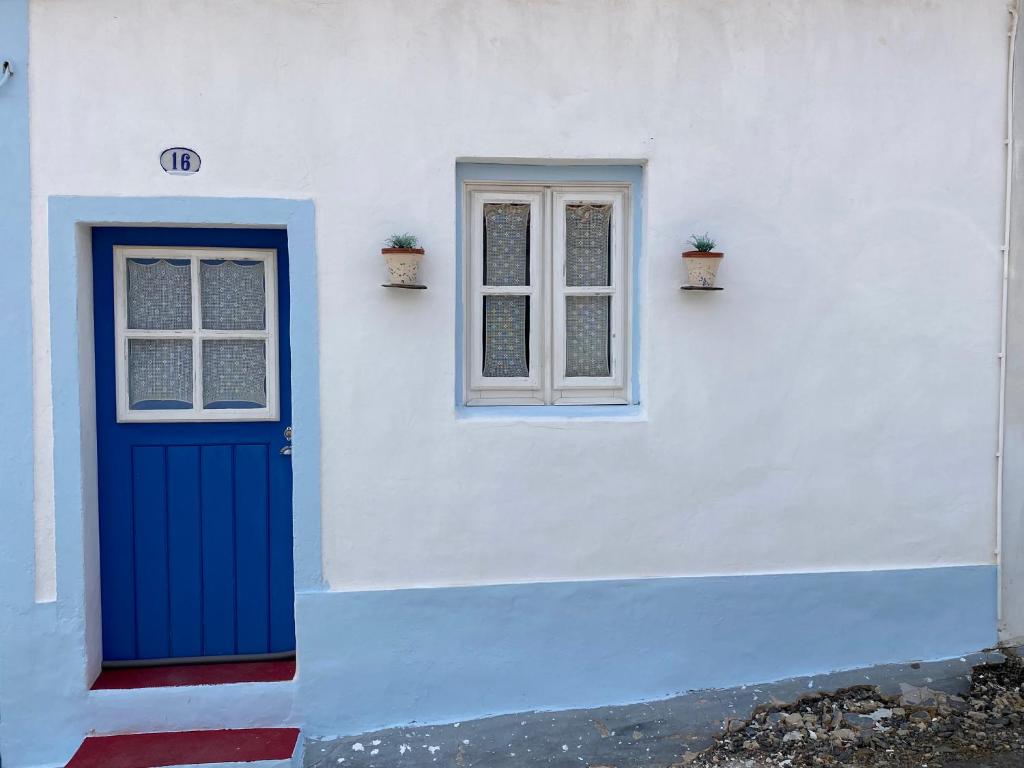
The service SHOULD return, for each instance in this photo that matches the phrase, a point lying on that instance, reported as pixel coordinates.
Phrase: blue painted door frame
(195, 518)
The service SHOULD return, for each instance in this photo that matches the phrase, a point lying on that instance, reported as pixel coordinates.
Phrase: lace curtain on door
(159, 298)
(232, 298)
(159, 370)
(234, 371)
(233, 295)
(159, 295)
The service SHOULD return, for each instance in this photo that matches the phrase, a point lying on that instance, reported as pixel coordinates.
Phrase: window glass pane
(234, 373)
(506, 244)
(506, 336)
(233, 295)
(588, 230)
(159, 373)
(587, 331)
(159, 294)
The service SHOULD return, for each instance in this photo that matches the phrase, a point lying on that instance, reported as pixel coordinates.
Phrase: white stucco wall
(834, 408)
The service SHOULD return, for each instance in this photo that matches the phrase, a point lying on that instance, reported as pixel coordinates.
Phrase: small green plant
(404, 240)
(703, 243)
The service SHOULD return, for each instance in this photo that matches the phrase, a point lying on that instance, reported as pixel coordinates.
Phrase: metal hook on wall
(6, 72)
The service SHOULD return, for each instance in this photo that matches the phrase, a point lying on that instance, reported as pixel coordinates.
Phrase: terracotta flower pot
(701, 267)
(403, 264)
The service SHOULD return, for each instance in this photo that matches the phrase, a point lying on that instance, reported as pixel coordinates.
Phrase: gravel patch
(862, 727)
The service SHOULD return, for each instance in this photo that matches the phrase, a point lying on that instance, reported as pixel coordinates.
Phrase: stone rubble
(859, 726)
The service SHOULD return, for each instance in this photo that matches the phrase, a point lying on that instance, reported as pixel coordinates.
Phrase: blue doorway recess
(195, 506)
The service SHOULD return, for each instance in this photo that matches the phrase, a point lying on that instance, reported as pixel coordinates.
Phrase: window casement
(547, 294)
(195, 334)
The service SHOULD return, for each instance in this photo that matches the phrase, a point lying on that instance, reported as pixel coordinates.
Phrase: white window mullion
(500, 290)
(589, 290)
(549, 280)
(558, 287)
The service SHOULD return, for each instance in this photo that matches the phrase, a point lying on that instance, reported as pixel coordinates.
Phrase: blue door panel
(184, 548)
(218, 484)
(252, 540)
(149, 502)
(117, 563)
(282, 617)
(195, 518)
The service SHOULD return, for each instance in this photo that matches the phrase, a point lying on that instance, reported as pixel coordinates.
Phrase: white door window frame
(547, 384)
(196, 334)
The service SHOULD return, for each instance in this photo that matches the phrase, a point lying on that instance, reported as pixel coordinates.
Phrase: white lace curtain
(232, 298)
(506, 263)
(587, 263)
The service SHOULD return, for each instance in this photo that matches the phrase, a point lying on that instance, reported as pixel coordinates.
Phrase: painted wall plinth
(373, 659)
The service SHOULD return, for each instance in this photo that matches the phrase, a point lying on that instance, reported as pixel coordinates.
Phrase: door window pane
(588, 232)
(234, 373)
(587, 331)
(233, 295)
(159, 293)
(506, 336)
(506, 244)
(159, 373)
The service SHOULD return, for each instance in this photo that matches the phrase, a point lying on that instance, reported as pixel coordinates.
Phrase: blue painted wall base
(369, 660)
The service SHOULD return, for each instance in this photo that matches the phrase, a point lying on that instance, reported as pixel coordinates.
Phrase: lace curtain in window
(234, 371)
(588, 244)
(159, 295)
(587, 335)
(159, 370)
(233, 295)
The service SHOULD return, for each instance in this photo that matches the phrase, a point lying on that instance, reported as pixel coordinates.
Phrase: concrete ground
(1008, 760)
(657, 734)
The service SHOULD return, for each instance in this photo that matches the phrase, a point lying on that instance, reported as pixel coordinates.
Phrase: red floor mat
(195, 674)
(150, 750)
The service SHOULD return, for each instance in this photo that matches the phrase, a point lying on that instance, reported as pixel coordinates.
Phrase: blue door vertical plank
(117, 556)
(184, 532)
(252, 541)
(149, 502)
(217, 499)
(282, 579)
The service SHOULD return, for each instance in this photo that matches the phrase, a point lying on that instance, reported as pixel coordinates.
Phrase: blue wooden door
(192, 405)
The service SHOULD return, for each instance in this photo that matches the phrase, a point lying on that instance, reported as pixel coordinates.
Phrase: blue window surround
(68, 218)
(633, 174)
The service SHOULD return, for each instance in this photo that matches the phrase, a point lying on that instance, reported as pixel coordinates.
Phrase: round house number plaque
(180, 161)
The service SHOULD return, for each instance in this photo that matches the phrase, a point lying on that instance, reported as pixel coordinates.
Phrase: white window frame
(547, 384)
(197, 334)
(512, 389)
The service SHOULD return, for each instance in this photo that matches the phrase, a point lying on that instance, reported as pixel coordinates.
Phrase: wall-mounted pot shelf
(701, 288)
(408, 286)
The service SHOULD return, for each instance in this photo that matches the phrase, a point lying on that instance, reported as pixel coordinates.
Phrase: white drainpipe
(1006, 280)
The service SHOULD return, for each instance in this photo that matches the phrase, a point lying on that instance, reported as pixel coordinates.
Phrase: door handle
(287, 450)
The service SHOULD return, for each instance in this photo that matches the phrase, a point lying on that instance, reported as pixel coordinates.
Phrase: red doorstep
(150, 750)
(195, 674)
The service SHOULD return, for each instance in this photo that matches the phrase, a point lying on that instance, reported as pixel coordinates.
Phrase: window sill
(557, 413)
